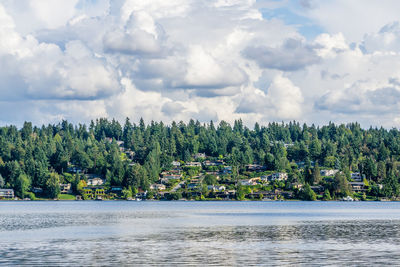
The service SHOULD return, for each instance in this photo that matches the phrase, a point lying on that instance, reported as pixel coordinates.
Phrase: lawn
(66, 197)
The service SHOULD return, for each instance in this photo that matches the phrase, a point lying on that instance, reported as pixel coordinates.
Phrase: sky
(313, 61)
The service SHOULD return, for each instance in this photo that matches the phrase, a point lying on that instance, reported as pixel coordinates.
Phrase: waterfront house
(229, 194)
(116, 190)
(97, 192)
(65, 189)
(358, 187)
(6, 193)
(269, 195)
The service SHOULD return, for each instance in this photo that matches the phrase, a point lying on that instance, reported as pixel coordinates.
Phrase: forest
(41, 157)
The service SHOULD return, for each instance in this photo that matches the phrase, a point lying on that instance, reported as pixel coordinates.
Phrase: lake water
(199, 233)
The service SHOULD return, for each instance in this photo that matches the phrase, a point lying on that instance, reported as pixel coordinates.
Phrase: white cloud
(353, 18)
(178, 59)
(282, 100)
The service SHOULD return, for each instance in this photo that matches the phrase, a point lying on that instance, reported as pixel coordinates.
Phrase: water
(199, 233)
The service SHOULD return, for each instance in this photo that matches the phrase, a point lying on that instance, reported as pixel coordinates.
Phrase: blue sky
(307, 60)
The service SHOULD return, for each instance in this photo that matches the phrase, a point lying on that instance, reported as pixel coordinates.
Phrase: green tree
(307, 193)
(210, 179)
(340, 185)
(316, 175)
(52, 188)
(21, 185)
(327, 195)
(126, 193)
(2, 183)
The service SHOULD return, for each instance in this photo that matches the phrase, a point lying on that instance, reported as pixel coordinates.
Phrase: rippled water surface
(199, 233)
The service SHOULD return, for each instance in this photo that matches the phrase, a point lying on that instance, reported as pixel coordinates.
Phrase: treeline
(40, 157)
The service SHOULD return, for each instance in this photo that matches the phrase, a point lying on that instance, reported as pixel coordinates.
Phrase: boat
(348, 198)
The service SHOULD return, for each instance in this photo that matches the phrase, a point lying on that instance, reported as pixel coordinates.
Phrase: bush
(30, 195)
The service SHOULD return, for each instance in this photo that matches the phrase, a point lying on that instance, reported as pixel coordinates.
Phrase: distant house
(120, 143)
(269, 195)
(216, 188)
(65, 189)
(227, 169)
(200, 155)
(255, 168)
(302, 164)
(74, 169)
(95, 181)
(6, 193)
(358, 187)
(318, 189)
(248, 182)
(170, 176)
(176, 164)
(141, 195)
(229, 194)
(278, 176)
(117, 190)
(97, 192)
(37, 190)
(297, 185)
(356, 176)
(208, 163)
(192, 186)
(130, 154)
(213, 163)
(193, 164)
(158, 187)
(328, 172)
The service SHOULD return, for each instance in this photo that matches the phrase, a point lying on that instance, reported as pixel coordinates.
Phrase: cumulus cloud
(353, 18)
(291, 55)
(281, 100)
(208, 60)
(387, 39)
(44, 71)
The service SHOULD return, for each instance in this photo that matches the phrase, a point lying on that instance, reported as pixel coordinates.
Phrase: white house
(6, 193)
(328, 172)
(158, 187)
(176, 163)
(95, 181)
(278, 176)
(216, 188)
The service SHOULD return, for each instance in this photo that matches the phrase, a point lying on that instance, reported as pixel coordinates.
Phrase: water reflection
(158, 235)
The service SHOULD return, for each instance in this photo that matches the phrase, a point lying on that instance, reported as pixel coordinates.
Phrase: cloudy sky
(311, 61)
